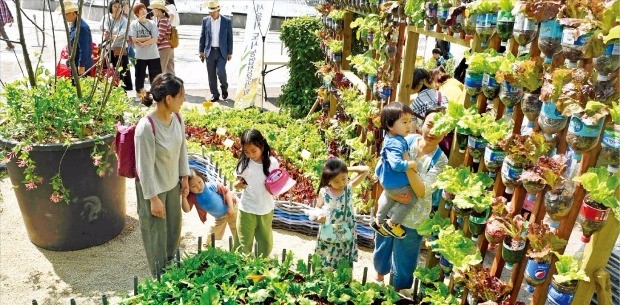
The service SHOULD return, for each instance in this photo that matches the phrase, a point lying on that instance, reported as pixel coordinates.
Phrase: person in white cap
(84, 51)
(216, 46)
(166, 52)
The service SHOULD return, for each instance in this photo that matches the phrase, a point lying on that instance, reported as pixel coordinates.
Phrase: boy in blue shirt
(215, 199)
(392, 167)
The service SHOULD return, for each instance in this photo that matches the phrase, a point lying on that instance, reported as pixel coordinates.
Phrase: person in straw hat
(166, 52)
(84, 51)
(144, 34)
(216, 46)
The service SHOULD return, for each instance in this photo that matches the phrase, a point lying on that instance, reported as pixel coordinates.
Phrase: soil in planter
(531, 105)
(557, 204)
(610, 147)
(512, 251)
(580, 144)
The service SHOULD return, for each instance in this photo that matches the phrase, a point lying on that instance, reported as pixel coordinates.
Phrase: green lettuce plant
(568, 269)
(427, 275)
(335, 45)
(601, 187)
(474, 198)
(337, 15)
(483, 7)
(461, 252)
(364, 63)
(496, 131)
(440, 296)
(475, 123)
(432, 226)
(446, 122)
(524, 150)
(486, 62)
(614, 113)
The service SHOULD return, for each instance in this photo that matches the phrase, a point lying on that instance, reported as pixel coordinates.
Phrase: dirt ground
(30, 273)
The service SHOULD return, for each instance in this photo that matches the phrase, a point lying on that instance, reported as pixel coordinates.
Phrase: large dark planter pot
(512, 255)
(96, 213)
(535, 273)
(562, 294)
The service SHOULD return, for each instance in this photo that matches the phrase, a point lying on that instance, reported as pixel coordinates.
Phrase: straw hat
(70, 7)
(160, 5)
(212, 6)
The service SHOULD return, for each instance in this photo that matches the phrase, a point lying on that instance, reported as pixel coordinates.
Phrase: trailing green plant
(542, 242)
(364, 63)
(432, 226)
(461, 252)
(601, 187)
(414, 9)
(370, 24)
(568, 269)
(304, 47)
(427, 275)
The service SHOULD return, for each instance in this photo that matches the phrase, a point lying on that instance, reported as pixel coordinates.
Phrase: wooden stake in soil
(135, 285)
(199, 244)
(104, 299)
(212, 240)
(230, 243)
(365, 276)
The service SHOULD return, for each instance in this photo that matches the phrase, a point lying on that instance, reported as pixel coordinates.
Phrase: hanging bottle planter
(490, 87)
(558, 203)
(592, 218)
(430, 16)
(469, 26)
(493, 159)
(509, 94)
(477, 223)
(442, 15)
(550, 39)
(610, 148)
(473, 84)
(337, 57)
(461, 140)
(535, 273)
(524, 31)
(476, 147)
(369, 38)
(494, 232)
(531, 106)
(609, 61)
(391, 49)
(512, 251)
(505, 26)
(573, 42)
(485, 27)
(372, 79)
(447, 197)
(562, 294)
(551, 120)
(510, 174)
(458, 24)
(445, 265)
(582, 137)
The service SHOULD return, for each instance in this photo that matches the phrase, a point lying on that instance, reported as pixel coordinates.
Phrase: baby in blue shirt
(215, 199)
(396, 120)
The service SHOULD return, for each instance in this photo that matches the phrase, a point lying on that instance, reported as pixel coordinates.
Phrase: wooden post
(402, 28)
(406, 76)
(347, 38)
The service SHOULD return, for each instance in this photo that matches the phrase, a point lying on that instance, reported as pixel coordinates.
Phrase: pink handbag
(279, 182)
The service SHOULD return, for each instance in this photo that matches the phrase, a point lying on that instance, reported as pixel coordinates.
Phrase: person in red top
(166, 52)
(215, 199)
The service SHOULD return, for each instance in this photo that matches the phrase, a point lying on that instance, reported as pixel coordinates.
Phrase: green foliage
(304, 47)
(602, 187)
(214, 276)
(440, 295)
(335, 45)
(458, 250)
(356, 105)
(543, 242)
(337, 15)
(496, 130)
(446, 122)
(614, 112)
(415, 10)
(483, 7)
(568, 269)
(364, 63)
(525, 150)
(433, 225)
(427, 275)
(370, 24)
(487, 62)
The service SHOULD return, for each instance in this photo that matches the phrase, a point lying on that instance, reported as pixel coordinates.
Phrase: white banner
(257, 22)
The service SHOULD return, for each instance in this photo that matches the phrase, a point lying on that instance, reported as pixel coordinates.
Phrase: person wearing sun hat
(216, 46)
(166, 52)
(84, 51)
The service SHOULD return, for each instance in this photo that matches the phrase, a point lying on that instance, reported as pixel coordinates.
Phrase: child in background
(392, 167)
(256, 207)
(438, 58)
(215, 199)
(336, 202)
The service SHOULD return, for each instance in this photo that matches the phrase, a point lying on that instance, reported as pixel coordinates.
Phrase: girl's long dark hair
(332, 168)
(254, 137)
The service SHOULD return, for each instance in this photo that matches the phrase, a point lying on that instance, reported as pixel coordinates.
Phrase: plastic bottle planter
(369, 38)
(461, 141)
(476, 147)
(505, 26)
(471, 300)
(493, 159)
(445, 265)
(493, 233)
(531, 106)
(573, 45)
(528, 202)
(551, 119)
(443, 12)
(524, 31)
(459, 23)
(512, 252)
(485, 27)
(550, 39)
(582, 137)
(430, 16)
(470, 26)
(533, 187)
(473, 84)
(477, 223)
(461, 213)
(609, 61)
(372, 79)
(535, 273)
(558, 204)
(391, 49)
(490, 87)
(561, 294)
(610, 148)
(510, 174)
(592, 217)
(510, 95)
(337, 57)
(434, 237)
(447, 197)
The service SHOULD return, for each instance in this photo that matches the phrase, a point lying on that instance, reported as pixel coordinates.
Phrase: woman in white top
(175, 20)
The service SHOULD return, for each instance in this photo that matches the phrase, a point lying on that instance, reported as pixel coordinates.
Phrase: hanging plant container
(510, 173)
(490, 87)
(447, 197)
(461, 140)
(493, 158)
(609, 61)
(372, 79)
(533, 187)
(562, 294)
(531, 106)
(493, 233)
(337, 57)
(430, 15)
(477, 223)
(582, 137)
(473, 84)
(445, 265)
(485, 27)
(476, 147)
(369, 38)
(528, 202)
(461, 213)
(509, 94)
(459, 23)
(551, 119)
(592, 217)
(535, 273)
(610, 148)
(573, 45)
(442, 15)
(391, 49)
(524, 31)
(469, 26)
(558, 204)
(550, 39)
(505, 26)
(512, 252)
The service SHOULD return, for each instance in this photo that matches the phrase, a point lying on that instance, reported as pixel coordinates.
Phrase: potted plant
(493, 153)
(600, 200)
(542, 244)
(431, 226)
(494, 230)
(474, 197)
(530, 74)
(521, 151)
(551, 120)
(534, 178)
(585, 126)
(487, 64)
(514, 242)
(428, 277)
(475, 124)
(578, 30)
(440, 296)
(525, 28)
(443, 11)
(510, 93)
(610, 144)
(56, 140)
(482, 286)
(369, 29)
(456, 251)
(451, 181)
(564, 283)
(486, 20)
(550, 36)
(336, 49)
(505, 21)
(558, 200)
(448, 121)
(337, 16)
(480, 214)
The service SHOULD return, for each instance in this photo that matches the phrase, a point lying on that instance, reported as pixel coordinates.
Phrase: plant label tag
(305, 154)
(221, 131)
(228, 143)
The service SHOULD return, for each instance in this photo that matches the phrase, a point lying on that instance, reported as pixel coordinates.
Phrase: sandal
(379, 229)
(396, 230)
